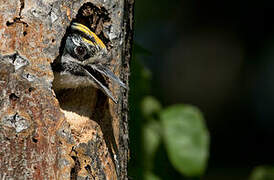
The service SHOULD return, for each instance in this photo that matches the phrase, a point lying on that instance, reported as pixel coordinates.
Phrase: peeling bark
(72, 134)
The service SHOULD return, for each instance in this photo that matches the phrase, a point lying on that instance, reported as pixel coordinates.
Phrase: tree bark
(72, 134)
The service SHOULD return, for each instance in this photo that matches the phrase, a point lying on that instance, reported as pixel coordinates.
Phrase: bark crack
(19, 18)
(76, 168)
(22, 2)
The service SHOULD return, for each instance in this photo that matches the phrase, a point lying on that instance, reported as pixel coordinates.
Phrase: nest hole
(13, 97)
(96, 18)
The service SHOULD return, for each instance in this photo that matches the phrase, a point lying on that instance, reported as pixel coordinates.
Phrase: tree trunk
(72, 134)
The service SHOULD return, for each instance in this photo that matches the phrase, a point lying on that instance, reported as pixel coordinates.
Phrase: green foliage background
(218, 56)
(166, 142)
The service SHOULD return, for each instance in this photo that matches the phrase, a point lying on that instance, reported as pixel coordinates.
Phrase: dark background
(218, 56)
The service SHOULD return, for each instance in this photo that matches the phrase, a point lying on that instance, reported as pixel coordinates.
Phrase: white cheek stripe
(76, 41)
(67, 58)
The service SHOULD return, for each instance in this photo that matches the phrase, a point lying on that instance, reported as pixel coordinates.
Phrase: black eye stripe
(80, 50)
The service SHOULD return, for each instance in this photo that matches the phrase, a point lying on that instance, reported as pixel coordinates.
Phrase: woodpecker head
(83, 62)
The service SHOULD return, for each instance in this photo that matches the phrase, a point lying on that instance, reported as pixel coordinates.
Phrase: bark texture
(72, 134)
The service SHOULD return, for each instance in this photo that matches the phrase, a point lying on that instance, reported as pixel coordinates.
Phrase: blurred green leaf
(186, 139)
(151, 176)
(262, 173)
(150, 106)
(152, 140)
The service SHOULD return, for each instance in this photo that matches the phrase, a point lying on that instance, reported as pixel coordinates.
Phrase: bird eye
(80, 51)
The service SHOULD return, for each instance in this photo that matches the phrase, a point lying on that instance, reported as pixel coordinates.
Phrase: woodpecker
(83, 62)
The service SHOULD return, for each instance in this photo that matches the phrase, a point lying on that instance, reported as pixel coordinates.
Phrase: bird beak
(92, 69)
(102, 87)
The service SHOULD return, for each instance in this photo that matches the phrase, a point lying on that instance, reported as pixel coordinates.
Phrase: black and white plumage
(82, 63)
